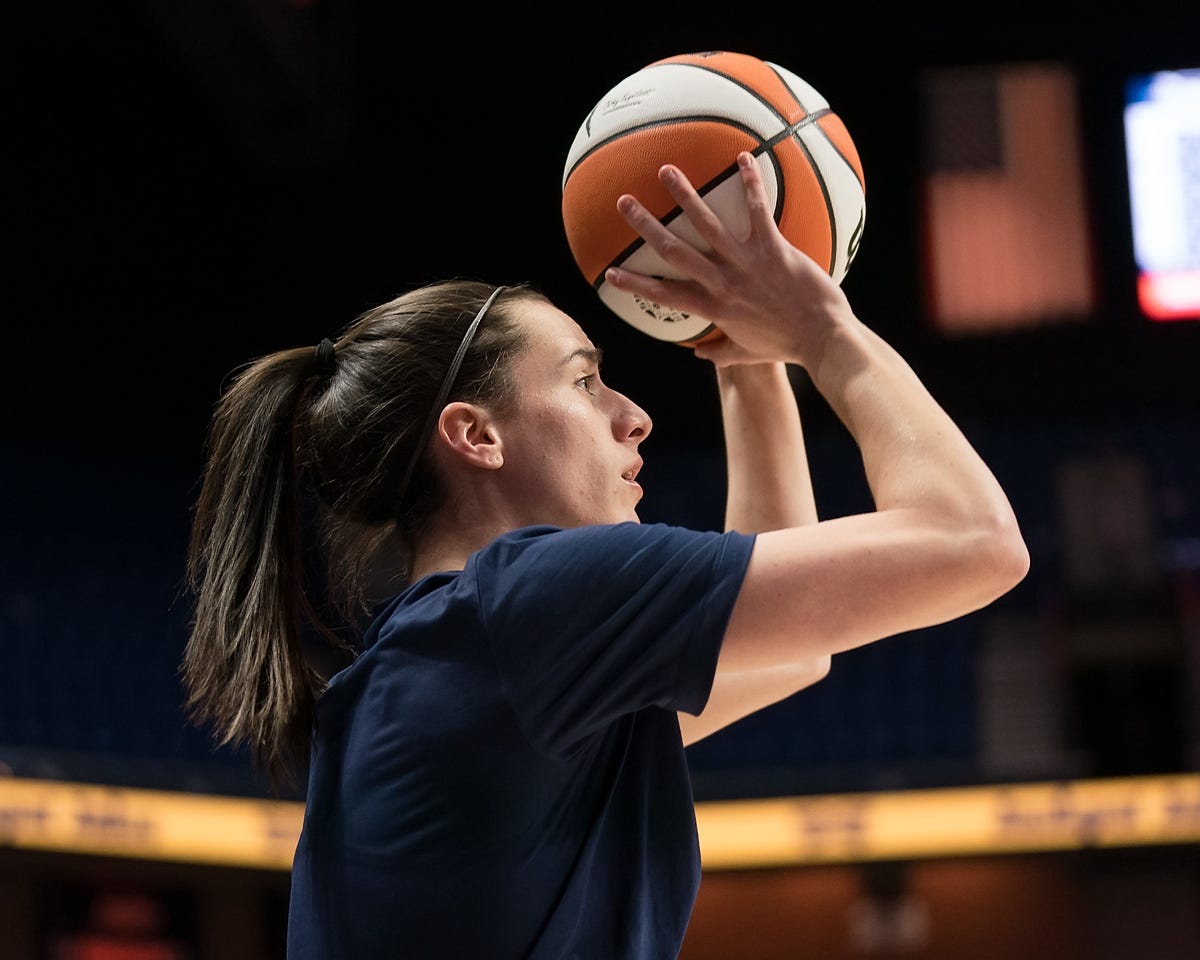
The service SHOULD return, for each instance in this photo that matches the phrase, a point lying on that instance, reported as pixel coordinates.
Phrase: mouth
(630, 475)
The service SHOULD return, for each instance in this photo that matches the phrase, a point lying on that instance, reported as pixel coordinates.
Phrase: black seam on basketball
(788, 86)
(750, 90)
(852, 247)
(666, 122)
(700, 336)
(810, 118)
(674, 212)
(830, 214)
(781, 191)
(845, 159)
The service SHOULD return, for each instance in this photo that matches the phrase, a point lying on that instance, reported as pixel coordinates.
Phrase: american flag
(1007, 236)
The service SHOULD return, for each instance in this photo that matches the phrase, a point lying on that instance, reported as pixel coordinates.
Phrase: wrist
(753, 376)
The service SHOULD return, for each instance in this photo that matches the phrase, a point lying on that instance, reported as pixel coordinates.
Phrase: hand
(771, 300)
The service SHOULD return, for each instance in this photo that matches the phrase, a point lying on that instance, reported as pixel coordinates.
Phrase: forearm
(770, 487)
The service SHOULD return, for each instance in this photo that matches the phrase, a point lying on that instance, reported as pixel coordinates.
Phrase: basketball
(698, 111)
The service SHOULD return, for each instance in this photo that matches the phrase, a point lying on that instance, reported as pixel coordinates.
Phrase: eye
(588, 382)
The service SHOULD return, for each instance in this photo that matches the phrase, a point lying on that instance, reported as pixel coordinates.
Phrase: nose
(631, 421)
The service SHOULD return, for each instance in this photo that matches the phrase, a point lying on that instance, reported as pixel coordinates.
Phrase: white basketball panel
(845, 195)
(671, 92)
(650, 318)
(810, 98)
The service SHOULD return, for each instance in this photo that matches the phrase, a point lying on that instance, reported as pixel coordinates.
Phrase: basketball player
(499, 771)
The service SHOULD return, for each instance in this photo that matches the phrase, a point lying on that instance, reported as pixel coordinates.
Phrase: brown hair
(294, 449)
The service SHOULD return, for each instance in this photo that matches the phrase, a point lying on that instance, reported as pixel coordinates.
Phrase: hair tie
(443, 392)
(325, 358)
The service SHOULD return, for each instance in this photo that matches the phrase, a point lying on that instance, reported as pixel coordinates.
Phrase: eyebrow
(592, 354)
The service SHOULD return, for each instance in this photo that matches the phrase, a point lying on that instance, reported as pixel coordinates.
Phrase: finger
(762, 216)
(702, 216)
(721, 351)
(708, 341)
(725, 352)
(671, 248)
(683, 295)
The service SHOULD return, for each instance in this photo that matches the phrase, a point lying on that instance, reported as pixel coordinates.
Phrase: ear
(470, 436)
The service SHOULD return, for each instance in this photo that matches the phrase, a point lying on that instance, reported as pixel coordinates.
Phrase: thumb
(723, 352)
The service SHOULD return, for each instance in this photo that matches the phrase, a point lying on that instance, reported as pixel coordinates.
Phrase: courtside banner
(844, 828)
(947, 822)
(148, 824)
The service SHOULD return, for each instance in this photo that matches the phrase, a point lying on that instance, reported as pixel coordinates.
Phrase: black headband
(443, 392)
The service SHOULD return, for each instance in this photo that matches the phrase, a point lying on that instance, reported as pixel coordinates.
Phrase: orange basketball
(698, 111)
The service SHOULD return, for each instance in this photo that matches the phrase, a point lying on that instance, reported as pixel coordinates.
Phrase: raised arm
(942, 541)
(765, 457)
(770, 488)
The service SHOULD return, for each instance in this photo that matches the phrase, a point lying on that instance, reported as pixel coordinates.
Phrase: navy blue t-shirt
(500, 774)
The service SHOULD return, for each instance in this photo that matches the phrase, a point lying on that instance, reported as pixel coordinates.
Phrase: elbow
(1005, 555)
(1020, 559)
(811, 670)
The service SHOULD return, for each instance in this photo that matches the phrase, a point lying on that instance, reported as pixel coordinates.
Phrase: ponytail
(243, 668)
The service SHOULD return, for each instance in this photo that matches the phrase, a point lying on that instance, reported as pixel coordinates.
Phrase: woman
(499, 770)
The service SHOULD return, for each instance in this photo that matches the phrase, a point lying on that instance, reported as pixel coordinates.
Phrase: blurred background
(194, 184)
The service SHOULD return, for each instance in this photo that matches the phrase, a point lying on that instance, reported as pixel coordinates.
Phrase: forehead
(554, 337)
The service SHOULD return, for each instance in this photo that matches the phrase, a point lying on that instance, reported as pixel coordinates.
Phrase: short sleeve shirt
(500, 773)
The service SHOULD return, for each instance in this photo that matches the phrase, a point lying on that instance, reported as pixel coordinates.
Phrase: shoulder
(589, 565)
(567, 548)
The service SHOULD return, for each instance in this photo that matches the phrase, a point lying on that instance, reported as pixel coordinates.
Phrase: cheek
(563, 444)
(542, 450)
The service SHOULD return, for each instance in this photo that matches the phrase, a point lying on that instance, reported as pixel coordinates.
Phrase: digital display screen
(1162, 145)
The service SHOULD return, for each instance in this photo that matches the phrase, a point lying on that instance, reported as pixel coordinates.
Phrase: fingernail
(744, 160)
(667, 174)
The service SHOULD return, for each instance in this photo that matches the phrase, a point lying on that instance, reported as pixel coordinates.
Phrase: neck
(447, 543)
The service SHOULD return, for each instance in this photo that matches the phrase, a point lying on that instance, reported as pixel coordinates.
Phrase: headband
(443, 392)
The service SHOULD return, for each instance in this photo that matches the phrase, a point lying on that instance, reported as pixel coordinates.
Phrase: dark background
(197, 183)
(191, 184)
(194, 184)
